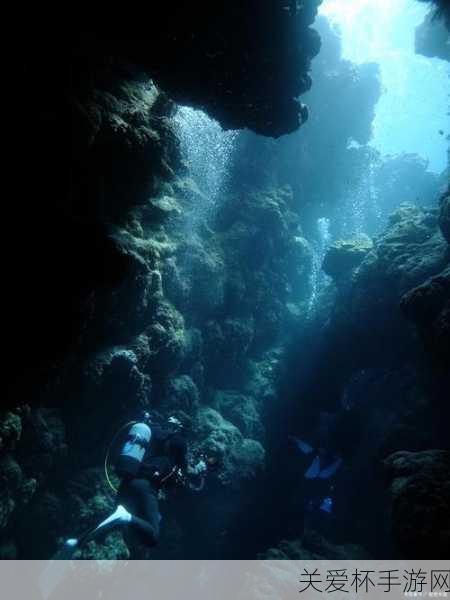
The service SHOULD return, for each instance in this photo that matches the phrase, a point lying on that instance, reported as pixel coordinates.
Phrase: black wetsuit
(139, 494)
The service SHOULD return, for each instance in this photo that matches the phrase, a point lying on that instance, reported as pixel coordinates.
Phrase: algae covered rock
(16, 489)
(412, 248)
(181, 394)
(428, 306)
(203, 275)
(166, 341)
(7, 506)
(420, 491)
(345, 255)
(115, 376)
(112, 547)
(10, 429)
(238, 458)
(313, 546)
(240, 410)
(247, 459)
(226, 347)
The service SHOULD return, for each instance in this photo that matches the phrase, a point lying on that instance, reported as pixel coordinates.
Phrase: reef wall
(366, 360)
(125, 305)
(121, 296)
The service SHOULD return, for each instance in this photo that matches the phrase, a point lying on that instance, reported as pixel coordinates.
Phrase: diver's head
(146, 417)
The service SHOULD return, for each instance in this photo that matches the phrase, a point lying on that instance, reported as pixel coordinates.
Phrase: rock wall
(386, 380)
(151, 307)
(190, 320)
(111, 306)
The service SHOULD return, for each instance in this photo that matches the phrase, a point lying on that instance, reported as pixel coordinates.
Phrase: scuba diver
(322, 464)
(152, 459)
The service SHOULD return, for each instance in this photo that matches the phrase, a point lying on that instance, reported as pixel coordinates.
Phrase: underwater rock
(8, 550)
(238, 458)
(10, 429)
(364, 327)
(240, 410)
(344, 256)
(298, 266)
(166, 341)
(16, 489)
(163, 208)
(114, 377)
(420, 490)
(202, 271)
(428, 306)
(112, 547)
(424, 303)
(45, 432)
(247, 459)
(122, 146)
(11, 473)
(181, 393)
(237, 81)
(34, 443)
(226, 346)
(433, 37)
(444, 217)
(412, 248)
(88, 499)
(44, 516)
(123, 313)
(220, 434)
(127, 144)
(313, 546)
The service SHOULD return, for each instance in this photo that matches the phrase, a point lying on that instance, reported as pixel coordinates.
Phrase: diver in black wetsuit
(152, 459)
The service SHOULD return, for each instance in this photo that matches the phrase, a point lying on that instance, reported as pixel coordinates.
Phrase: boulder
(344, 256)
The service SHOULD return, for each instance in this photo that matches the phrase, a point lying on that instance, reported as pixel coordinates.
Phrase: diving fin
(56, 568)
(301, 445)
(331, 469)
(313, 470)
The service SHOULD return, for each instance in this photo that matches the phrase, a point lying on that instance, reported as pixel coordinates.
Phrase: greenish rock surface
(344, 256)
(239, 458)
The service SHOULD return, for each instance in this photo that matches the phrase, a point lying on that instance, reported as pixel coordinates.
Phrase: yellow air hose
(116, 435)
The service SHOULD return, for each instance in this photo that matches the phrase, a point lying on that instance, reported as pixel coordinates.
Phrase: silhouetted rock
(428, 305)
(444, 217)
(420, 490)
(433, 37)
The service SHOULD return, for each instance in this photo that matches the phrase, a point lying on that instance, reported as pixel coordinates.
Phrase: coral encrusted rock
(344, 256)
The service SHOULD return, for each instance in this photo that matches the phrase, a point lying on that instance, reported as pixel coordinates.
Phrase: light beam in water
(413, 108)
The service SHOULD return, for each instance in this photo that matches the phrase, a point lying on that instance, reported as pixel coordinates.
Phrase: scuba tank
(133, 451)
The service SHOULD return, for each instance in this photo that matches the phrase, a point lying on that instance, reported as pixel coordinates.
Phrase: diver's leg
(119, 517)
(148, 533)
(145, 516)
